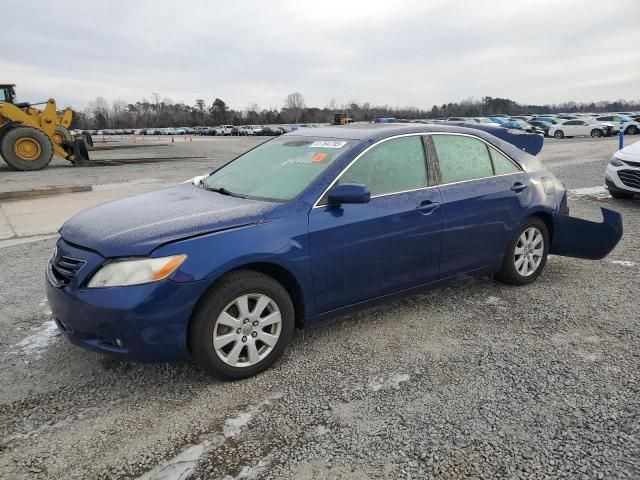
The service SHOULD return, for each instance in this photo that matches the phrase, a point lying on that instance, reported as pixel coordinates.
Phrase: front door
(362, 251)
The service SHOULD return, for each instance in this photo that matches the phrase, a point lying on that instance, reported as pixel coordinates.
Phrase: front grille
(631, 178)
(65, 268)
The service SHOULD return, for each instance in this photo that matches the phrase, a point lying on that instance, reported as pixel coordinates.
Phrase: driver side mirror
(349, 193)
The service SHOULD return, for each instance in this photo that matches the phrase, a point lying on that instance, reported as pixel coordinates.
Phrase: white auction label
(327, 144)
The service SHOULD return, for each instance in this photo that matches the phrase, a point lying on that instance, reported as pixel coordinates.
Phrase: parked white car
(251, 130)
(622, 176)
(630, 126)
(577, 128)
(223, 129)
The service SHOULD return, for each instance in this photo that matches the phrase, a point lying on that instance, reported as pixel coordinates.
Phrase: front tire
(526, 254)
(242, 325)
(559, 134)
(631, 130)
(26, 148)
(595, 133)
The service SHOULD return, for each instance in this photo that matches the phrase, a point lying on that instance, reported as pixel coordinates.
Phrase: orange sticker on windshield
(318, 157)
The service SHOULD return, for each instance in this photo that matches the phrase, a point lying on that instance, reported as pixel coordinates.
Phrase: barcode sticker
(327, 144)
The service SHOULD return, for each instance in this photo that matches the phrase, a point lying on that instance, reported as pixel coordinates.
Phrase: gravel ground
(475, 380)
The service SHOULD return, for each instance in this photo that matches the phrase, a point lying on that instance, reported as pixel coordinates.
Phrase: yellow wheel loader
(29, 136)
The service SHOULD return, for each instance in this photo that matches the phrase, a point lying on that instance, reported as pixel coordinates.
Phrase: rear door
(484, 194)
(362, 251)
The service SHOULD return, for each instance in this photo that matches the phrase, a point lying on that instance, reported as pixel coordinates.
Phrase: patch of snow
(392, 382)
(182, 466)
(37, 343)
(251, 473)
(598, 192)
(491, 300)
(179, 467)
(233, 426)
(624, 263)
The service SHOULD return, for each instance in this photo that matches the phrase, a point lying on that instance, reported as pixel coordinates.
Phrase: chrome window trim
(418, 134)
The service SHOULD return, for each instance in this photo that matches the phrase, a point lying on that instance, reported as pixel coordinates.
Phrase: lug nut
(238, 331)
(255, 323)
(254, 334)
(246, 320)
(244, 339)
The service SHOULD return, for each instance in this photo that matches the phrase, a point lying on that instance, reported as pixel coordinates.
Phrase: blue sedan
(309, 225)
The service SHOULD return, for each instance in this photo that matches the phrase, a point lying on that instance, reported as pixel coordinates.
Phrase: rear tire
(526, 254)
(26, 148)
(631, 130)
(596, 132)
(241, 325)
(559, 134)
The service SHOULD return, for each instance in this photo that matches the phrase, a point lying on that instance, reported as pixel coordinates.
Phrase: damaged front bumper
(578, 238)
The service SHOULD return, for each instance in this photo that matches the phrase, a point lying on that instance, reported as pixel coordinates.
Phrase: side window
(501, 163)
(393, 166)
(462, 158)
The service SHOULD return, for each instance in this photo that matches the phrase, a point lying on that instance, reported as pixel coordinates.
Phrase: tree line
(163, 112)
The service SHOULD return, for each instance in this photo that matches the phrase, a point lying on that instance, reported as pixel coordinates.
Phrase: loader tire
(26, 148)
(61, 134)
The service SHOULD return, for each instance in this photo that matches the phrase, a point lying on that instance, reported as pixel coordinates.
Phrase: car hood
(630, 153)
(137, 225)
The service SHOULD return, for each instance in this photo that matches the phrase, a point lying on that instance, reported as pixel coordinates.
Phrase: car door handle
(427, 206)
(518, 187)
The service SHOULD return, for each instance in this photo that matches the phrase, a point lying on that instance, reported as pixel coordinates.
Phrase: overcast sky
(385, 52)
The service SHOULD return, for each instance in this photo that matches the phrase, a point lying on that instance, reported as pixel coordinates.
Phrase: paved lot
(476, 380)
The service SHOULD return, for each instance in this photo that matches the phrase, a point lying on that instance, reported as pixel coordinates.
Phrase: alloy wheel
(247, 330)
(529, 251)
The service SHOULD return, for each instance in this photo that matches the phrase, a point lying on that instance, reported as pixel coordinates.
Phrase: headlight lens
(616, 162)
(121, 273)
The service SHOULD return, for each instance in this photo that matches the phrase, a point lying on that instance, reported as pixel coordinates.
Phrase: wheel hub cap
(27, 149)
(247, 330)
(529, 251)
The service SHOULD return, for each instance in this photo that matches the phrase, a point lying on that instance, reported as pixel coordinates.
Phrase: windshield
(279, 169)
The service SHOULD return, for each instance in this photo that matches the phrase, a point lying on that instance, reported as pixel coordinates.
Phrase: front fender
(575, 237)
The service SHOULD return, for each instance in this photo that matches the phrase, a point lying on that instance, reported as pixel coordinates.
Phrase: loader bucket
(88, 138)
(578, 238)
(80, 153)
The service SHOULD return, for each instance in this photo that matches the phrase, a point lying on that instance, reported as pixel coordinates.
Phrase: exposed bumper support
(575, 237)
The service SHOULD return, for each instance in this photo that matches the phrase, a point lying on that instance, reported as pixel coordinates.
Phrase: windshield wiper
(224, 191)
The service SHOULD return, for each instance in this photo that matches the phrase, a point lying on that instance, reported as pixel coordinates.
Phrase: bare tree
(294, 104)
(156, 101)
(118, 108)
(200, 106)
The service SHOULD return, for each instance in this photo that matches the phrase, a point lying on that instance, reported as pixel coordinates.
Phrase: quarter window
(501, 163)
(462, 158)
(392, 166)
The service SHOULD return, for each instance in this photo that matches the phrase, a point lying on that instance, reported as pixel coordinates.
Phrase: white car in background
(622, 176)
(223, 129)
(251, 130)
(631, 127)
(577, 128)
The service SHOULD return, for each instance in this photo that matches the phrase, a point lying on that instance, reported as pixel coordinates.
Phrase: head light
(616, 162)
(120, 273)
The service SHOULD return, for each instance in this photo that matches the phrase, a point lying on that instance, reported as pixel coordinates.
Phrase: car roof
(374, 132)
(379, 131)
